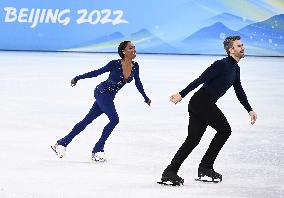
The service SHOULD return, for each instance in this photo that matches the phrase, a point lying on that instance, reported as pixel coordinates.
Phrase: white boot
(99, 157)
(59, 150)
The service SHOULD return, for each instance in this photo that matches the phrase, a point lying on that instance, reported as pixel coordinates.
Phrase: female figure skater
(122, 71)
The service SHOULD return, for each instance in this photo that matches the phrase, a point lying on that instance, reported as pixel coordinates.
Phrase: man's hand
(176, 98)
(73, 82)
(253, 117)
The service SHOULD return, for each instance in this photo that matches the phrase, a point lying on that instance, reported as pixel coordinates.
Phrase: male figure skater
(203, 111)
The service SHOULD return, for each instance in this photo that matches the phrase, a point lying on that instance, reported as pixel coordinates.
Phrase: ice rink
(38, 106)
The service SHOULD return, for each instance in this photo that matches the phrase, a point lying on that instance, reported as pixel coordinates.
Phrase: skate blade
(98, 161)
(169, 183)
(207, 181)
(53, 148)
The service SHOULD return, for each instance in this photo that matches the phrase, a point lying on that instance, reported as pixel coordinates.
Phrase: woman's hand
(149, 102)
(73, 82)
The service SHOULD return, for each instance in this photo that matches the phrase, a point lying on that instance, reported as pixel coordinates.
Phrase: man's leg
(196, 129)
(216, 119)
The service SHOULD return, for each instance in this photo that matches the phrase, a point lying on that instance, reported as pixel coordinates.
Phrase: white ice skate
(59, 150)
(99, 157)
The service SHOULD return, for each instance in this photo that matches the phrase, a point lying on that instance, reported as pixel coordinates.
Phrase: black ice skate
(171, 178)
(208, 175)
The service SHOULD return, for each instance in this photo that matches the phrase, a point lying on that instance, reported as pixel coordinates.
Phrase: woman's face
(130, 51)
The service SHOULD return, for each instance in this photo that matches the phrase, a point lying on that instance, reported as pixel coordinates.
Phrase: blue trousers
(103, 104)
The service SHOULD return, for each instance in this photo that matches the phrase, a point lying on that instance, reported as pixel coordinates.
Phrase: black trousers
(203, 112)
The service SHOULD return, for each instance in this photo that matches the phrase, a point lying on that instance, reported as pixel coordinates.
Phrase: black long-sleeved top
(218, 78)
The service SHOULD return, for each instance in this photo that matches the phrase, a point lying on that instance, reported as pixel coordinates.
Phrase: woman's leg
(108, 107)
(94, 112)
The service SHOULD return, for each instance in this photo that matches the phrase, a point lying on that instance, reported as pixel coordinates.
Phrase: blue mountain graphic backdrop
(179, 27)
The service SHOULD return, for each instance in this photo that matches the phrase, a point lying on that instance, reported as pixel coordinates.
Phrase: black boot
(209, 172)
(172, 177)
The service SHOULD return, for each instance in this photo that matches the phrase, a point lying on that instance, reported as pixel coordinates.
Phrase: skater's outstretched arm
(211, 72)
(94, 73)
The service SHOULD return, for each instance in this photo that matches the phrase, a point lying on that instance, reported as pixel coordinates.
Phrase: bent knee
(226, 131)
(114, 120)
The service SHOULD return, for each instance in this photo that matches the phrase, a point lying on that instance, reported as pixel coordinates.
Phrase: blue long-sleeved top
(218, 78)
(116, 78)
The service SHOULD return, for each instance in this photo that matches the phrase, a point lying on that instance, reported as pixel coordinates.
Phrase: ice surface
(38, 106)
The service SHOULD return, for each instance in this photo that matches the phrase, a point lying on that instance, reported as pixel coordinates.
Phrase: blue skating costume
(105, 93)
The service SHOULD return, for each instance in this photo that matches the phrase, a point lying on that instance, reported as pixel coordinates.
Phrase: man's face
(238, 49)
